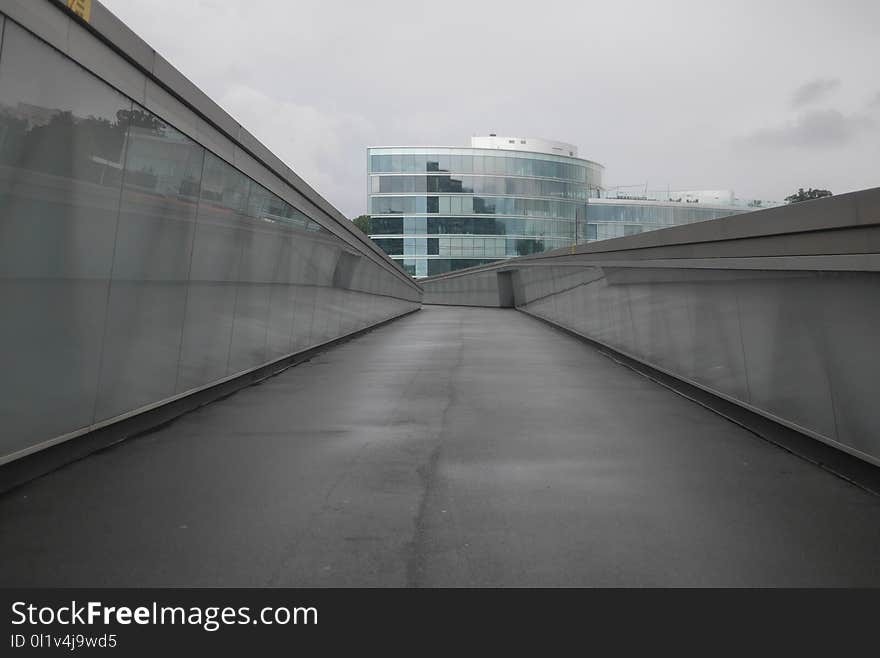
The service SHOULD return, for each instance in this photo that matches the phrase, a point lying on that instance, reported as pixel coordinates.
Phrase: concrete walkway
(457, 446)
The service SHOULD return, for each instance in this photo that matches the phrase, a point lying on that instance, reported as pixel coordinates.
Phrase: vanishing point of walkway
(456, 446)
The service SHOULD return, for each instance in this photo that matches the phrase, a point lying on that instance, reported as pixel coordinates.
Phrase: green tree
(806, 195)
(363, 223)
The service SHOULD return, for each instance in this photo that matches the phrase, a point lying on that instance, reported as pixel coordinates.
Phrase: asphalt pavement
(453, 447)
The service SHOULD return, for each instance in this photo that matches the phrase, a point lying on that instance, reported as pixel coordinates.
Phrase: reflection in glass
(62, 148)
(163, 172)
(134, 264)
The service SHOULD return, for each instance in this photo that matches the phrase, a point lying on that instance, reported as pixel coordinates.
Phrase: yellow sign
(82, 8)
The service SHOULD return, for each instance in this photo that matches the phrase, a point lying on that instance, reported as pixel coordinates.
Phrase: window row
(485, 164)
(468, 247)
(616, 230)
(477, 185)
(650, 214)
(561, 228)
(432, 266)
(475, 205)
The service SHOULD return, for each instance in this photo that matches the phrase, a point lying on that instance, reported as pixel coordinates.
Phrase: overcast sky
(759, 96)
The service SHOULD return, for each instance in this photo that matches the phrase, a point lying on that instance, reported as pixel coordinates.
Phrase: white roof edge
(480, 148)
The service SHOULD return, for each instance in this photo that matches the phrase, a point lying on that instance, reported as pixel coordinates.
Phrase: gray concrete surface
(774, 310)
(457, 446)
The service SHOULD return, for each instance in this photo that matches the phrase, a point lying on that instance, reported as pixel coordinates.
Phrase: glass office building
(438, 209)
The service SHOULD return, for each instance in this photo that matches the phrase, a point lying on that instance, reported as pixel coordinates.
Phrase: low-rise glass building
(615, 218)
(438, 209)
(620, 212)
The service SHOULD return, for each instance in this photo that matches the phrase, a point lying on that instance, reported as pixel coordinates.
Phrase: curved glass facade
(439, 209)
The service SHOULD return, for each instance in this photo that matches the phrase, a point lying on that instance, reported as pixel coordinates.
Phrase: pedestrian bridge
(210, 377)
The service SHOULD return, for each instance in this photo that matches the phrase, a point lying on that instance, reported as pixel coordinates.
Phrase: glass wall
(486, 161)
(136, 265)
(616, 218)
(472, 206)
(492, 185)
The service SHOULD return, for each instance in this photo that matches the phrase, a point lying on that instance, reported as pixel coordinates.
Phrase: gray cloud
(654, 91)
(814, 90)
(814, 129)
(319, 143)
(875, 101)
